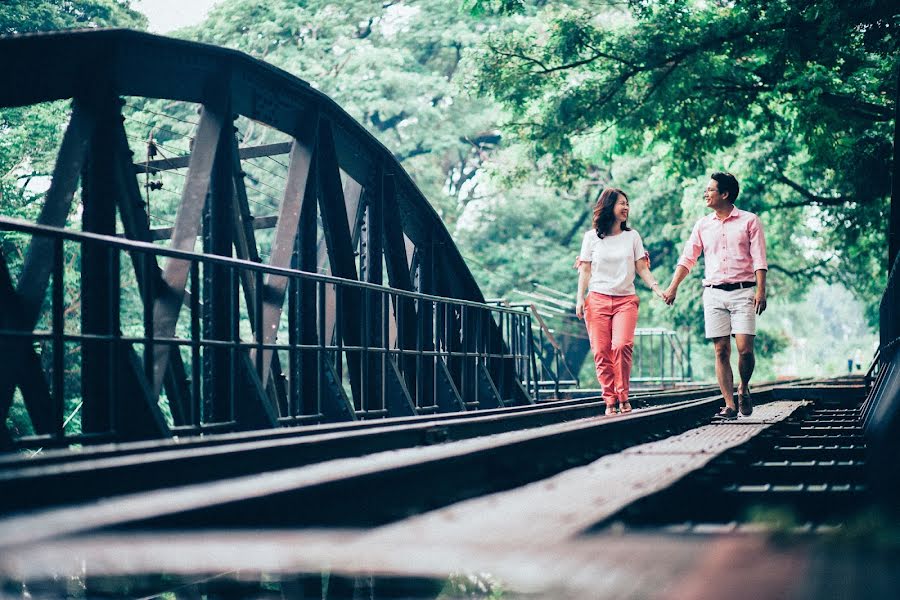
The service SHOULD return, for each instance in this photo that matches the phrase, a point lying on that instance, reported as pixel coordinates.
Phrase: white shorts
(728, 313)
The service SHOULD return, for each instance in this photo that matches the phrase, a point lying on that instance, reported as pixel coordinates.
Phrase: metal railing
(880, 415)
(659, 357)
(551, 360)
(411, 353)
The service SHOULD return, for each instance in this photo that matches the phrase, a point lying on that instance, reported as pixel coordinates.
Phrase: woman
(611, 254)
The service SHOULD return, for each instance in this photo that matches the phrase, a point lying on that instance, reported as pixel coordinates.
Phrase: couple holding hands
(734, 250)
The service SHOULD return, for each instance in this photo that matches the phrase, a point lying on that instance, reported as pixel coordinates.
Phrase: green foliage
(796, 98)
(493, 7)
(29, 139)
(50, 15)
(30, 136)
(392, 66)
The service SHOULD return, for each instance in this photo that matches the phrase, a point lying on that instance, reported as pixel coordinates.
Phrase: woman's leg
(624, 321)
(598, 319)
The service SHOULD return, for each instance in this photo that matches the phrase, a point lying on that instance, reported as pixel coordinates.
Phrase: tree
(393, 66)
(51, 15)
(30, 136)
(795, 97)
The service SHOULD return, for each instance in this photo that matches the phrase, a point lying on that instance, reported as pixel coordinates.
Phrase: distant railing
(550, 356)
(411, 353)
(659, 357)
(880, 414)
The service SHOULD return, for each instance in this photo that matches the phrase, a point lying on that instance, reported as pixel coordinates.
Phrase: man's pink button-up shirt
(733, 248)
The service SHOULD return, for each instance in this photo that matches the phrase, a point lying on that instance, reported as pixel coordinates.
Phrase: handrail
(449, 367)
(9, 224)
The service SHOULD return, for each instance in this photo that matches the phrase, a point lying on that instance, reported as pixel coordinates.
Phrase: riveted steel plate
(560, 507)
(771, 412)
(709, 439)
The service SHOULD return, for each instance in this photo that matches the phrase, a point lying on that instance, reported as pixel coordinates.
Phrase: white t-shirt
(612, 261)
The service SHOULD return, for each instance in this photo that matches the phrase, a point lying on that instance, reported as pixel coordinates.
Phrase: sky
(168, 15)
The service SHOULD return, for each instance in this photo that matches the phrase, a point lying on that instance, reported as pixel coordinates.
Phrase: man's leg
(724, 374)
(746, 362)
(746, 359)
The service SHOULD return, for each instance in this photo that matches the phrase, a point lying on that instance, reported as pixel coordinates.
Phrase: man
(734, 249)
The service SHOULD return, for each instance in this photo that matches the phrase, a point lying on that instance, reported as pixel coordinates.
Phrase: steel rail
(69, 477)
(361, 491)
(569, 409)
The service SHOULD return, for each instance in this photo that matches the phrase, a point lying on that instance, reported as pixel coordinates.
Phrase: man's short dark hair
(727, 183)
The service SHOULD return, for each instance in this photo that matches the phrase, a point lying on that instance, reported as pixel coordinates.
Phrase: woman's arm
(642, 268)
(584, 276)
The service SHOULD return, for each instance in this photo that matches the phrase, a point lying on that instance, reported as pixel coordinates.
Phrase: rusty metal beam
(339, 244)
(99, 295)
(246, 248)
(115, 393)
(307, 369)
(136, 226)
(168, 303)
(299, 169)
(221, 366)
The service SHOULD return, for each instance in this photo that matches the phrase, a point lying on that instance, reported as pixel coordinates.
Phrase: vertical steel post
(98, 216)
(218, 238)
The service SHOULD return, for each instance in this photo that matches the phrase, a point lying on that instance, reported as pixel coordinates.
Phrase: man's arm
(680, 273)
(692, 250)
(759, 301)
(760, 265)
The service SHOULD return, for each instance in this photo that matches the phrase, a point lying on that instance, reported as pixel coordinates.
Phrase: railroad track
(349, 478)
(61, 477)
(366, 477)
(555, 486)
(807, 472)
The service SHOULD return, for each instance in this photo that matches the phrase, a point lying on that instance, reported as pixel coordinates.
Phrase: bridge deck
(551, 537)
(560, 507)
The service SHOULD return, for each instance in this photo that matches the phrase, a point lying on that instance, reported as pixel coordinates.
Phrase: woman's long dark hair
(604, 218)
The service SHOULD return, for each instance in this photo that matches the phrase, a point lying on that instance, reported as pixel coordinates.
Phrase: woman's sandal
(610, 410)
(625, 407)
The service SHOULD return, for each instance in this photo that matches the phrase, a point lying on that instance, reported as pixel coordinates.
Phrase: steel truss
(227, 342)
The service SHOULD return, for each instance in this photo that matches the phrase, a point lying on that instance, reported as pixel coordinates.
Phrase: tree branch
(811, 199)
(419, 149)
(860, 108)
(805, 272)
(389, 123)
(517, 55)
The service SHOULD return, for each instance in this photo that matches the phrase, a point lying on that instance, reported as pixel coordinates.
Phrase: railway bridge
(318, 402)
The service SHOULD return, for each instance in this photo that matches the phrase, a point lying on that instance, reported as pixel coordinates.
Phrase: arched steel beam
(55, 66)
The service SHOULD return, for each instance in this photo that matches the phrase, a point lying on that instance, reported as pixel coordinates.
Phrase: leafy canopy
(796, 98)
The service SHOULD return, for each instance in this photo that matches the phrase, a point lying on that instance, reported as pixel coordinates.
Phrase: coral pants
(610, 322)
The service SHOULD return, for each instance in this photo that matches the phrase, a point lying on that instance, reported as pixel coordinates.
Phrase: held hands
(669, 295)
